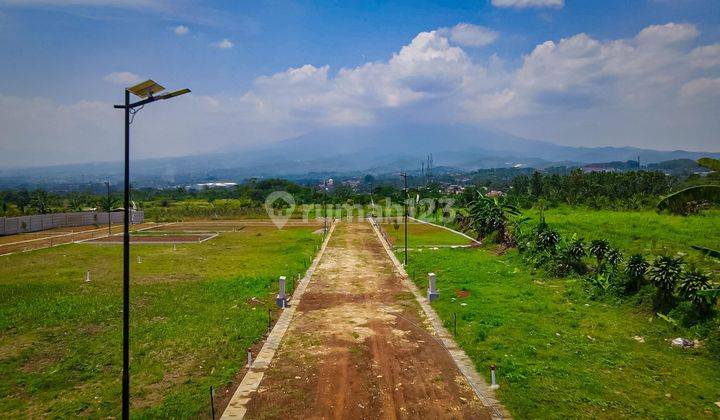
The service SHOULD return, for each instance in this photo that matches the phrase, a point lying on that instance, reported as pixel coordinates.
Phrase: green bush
(692, 287)
(635, 271)
(665, 273)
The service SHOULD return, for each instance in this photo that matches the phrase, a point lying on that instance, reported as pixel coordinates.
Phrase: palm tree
(39, 201)
(108, 203)
(665, 273)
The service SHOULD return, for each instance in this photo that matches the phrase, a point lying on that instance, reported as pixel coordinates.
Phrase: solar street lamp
(146, 91)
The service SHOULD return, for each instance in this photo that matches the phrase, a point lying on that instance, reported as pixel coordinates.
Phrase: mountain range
(355, 150)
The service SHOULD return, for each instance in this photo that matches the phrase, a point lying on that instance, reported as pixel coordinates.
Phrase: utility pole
(405, 190)
(109, 210)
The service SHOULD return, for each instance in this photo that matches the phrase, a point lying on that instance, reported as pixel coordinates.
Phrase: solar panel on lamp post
(146, 91)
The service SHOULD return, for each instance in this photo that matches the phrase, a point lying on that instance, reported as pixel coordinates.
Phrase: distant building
(352, 183)
(205, 185)
(495, 193)
(454, 189)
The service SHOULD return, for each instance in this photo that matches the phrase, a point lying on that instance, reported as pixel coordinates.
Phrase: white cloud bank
(657, 89)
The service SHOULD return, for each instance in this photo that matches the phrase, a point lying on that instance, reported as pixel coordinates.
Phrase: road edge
(462, 361)
(236, 408)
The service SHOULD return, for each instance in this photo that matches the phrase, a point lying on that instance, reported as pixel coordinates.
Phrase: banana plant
(707, 251)
(680, 202)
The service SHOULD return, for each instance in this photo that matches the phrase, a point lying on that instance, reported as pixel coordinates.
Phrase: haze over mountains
(358, 150)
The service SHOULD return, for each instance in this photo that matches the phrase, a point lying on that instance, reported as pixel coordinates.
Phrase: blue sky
(643, 73)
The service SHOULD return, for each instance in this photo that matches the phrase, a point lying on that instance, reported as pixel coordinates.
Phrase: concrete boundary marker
(251, 381)
(462, 361)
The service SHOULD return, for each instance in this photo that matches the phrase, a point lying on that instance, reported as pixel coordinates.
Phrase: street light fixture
(146, 91)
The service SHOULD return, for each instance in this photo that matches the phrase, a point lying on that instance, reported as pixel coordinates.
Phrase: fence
(39, 222)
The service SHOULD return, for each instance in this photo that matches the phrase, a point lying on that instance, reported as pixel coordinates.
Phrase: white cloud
(225, 44)
(648, 90)
(706, 57)
(181, 30)
(124, 78)
(667, 34)
(701, 88)
(522, 4)
(469, 35)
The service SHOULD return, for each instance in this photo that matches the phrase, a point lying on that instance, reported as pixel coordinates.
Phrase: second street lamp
(146, 91)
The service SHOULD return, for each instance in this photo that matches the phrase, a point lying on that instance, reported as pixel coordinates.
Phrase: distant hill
(357, 150)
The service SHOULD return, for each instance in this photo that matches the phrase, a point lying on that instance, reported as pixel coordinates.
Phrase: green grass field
(561, 354)
(193, 318)
(645, 232)
(422, 235)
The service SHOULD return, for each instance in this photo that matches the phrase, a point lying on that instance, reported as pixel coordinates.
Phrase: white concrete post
(432, 290)
(87, 277)
(249, 359)
(493, 382)
(139, 260)
(280, 300)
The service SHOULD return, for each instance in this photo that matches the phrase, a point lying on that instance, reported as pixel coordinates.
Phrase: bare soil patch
(359, 348)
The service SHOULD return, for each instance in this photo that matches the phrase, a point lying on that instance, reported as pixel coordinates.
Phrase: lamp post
(145, 91)
(405, 190)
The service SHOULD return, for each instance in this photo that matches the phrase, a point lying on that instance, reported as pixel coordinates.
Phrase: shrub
(599, 249)
(635, 270)
(614, 258)
(547, 240)
(665, 273)
(693, 288)
(576, 248)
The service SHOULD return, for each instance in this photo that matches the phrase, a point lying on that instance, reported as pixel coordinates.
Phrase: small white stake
(87, 277)
(249, 365)
(494, 384)
(280, 299)
(139, 260)
(432, 292)
(174, 247)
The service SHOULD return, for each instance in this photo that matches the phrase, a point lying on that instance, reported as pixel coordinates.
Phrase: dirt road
(358, 346)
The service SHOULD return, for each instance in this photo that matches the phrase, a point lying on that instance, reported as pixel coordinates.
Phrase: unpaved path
(358, 346)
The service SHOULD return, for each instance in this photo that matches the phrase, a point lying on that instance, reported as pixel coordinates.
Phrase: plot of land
(196, 308)
(561, 354)
(644, 232)
(358, 347)
(171, 238)
(59, 236)
(422, 235)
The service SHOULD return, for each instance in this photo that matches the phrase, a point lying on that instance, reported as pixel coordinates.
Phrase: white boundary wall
(39, 222)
